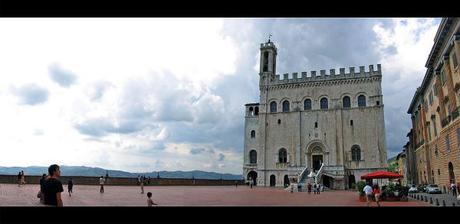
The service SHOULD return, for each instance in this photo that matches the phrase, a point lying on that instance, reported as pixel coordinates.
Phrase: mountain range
(96, 171)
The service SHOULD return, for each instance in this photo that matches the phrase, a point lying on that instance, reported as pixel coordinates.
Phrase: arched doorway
(286, 181)
(317, 160)
(351, 181)
(314, 155)
(252, 176)
(326, 181)
(451, 173)
(272, 180)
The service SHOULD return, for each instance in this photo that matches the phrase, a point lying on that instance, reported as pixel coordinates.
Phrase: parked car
(433, 189)
(413, 189)
(421, 188)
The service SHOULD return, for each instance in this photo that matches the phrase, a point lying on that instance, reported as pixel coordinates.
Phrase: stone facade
(435, 108)
(302, 121)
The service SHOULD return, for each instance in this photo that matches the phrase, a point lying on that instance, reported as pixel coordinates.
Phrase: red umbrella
(381, 175)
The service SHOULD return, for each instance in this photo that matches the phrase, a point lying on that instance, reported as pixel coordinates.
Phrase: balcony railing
(445, 121)
(455, 113)
(281, 165)
(420, 144)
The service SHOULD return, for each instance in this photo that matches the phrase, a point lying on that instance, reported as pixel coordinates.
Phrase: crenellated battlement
(331, 75)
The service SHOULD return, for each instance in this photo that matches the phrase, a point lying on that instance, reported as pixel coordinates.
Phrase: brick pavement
(85, 195)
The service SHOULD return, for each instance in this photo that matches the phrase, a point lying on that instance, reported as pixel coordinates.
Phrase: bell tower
(268, 54)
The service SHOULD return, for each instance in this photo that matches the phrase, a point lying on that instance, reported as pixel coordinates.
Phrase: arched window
(253, 157)
(323, 103)
(273, 107)
(451, 173)
(346, 102)
(251, 110)
(355, 153)
(253, 134)
(307, 104)
(286, 106)
(361, 101)
(256, 111)
(265, 68)
(282, 155)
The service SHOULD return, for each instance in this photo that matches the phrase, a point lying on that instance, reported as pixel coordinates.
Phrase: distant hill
(96, 171)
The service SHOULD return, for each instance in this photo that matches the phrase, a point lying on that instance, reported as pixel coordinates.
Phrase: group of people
(21, 178)
(51, 187)
(372, 193)
(317, 188)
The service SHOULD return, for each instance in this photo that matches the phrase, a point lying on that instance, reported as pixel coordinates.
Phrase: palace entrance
(317, 160)
(252, 176)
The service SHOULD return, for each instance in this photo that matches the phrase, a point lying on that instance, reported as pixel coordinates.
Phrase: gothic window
(286, 106)
(458, 136)
(346, 102)
(253, 156)
(282, 155)
(443, 77)
(447, 143)
(361, 101)
(355, 153)
(430, 98)
(253, 134)
(323, 103)
(273, 107)
(307, 104)
(454, 60)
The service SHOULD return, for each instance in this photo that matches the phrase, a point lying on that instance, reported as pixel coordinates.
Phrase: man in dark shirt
(42, 183)
(53, 187)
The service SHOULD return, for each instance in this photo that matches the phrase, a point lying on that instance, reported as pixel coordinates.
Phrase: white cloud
(145, 93)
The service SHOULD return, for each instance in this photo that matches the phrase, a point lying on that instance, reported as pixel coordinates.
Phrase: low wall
(124, 181)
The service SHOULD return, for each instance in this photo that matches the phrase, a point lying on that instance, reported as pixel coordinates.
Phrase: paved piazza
(85, 195)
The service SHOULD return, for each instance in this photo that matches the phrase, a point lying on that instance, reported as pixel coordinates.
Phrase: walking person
(236, 184)
(315, 188)
(376, 193)
(453, 188)
(148, 182)
(368, 191)
(138, 179)
(19, 179)
(309, 188)
(70, 187)
(320, 188)
(142, 184)
(150, 202)
(101, 183)
(52, 187)
(42, 183)
(23, 178)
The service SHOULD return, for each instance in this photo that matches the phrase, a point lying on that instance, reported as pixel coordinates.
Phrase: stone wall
(124, 181)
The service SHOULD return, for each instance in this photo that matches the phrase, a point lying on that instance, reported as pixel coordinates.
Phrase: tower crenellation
(332, 75)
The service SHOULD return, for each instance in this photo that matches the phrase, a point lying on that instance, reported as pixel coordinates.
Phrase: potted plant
(360, 186)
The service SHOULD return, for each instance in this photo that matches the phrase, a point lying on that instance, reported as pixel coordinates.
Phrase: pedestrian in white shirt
(101, 183)
(368, 191)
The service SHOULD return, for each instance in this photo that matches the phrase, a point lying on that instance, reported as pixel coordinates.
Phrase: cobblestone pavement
(448, 199)
(85, 195)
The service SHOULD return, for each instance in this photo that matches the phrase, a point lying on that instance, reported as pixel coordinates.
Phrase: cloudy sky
(167, 94)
